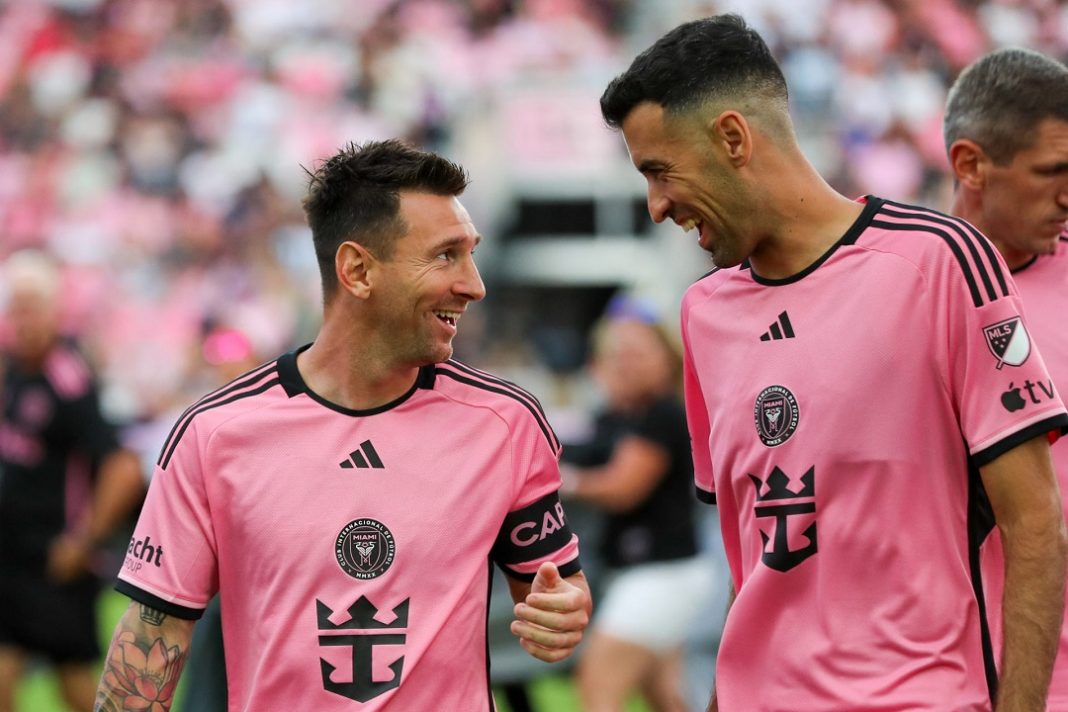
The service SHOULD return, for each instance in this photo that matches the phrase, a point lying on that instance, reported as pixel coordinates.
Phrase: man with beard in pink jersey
(1006, 132)
(346, 500)
(847, 371)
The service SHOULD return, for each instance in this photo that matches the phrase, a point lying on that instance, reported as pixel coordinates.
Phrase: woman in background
(637, 469)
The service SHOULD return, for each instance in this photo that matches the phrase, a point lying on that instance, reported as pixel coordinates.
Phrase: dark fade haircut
(355, 195)
(999, 100)
(705, 59)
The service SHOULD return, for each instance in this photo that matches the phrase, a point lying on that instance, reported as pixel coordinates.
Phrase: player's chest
(784, 356)
(365, 481)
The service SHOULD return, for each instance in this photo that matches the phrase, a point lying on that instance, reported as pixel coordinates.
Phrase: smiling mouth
(449, 317)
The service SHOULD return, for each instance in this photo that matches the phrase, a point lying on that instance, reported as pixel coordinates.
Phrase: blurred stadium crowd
(157, 148)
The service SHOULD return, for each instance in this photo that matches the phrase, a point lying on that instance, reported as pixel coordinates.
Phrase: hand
(68, 557)
(551, 620)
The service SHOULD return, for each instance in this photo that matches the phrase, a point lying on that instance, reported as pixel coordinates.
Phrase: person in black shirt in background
(637, 468)
(66, 485)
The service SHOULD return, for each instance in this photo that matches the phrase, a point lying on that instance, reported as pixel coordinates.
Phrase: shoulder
(477, 388)
(258, 388)
(707, 285)
(938, 244)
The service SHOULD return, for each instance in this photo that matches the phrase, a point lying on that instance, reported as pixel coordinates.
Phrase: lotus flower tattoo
(145, 679)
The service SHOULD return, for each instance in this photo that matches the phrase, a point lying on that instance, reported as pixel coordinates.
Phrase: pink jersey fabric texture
(1043, 286)
(351, 549)
(838, 419)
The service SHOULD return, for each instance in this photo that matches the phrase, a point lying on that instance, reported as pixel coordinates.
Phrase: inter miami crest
(1008, 341)
(365, 548)
(776, 414)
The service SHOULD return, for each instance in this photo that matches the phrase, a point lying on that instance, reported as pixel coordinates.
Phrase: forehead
(435, 217)
(1050, 140)
(649, 135)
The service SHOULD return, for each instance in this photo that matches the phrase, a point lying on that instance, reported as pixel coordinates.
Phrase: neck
(341, 368)
(803, 218)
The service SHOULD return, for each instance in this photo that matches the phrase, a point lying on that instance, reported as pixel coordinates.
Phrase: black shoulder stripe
(963, 226)
(546, 429)
(971, 237)
(521, 392)
(168, 450)
(221, 392)
(977, 298)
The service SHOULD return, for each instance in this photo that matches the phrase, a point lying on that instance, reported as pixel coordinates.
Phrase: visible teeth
(449, 316)
(689, 225)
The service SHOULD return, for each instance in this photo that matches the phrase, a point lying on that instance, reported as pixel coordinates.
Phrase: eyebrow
(451, 242)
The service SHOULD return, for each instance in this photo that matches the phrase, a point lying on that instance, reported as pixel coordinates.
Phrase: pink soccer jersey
(1043, 286)
(838, 419)
(351, 549)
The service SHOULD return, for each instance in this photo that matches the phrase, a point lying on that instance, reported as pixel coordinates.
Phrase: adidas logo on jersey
(362, 457)
(781, 329)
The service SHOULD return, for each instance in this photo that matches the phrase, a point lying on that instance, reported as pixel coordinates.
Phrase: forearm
(145, 659)
(1033, 607)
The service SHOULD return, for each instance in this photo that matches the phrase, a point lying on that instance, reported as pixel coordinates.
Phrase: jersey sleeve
(996, 375)
(697, 419)
(536, 527)
(171, 560)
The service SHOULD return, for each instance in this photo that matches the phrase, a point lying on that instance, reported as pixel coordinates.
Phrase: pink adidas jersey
(1043, 286)
(838, 420)
(351, 549)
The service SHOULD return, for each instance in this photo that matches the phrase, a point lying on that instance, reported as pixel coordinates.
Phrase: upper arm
(1021, 484)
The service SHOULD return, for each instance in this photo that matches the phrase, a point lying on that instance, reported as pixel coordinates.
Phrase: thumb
(547, 579)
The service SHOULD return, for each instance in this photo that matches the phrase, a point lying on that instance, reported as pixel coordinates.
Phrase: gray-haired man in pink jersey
(1006, 132)
(346, 500)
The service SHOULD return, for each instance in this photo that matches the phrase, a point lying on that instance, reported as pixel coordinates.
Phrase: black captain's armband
(530, 533)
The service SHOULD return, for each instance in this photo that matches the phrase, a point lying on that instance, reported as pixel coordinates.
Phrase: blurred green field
(39, 693)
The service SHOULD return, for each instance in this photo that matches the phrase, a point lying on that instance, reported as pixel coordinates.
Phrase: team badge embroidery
(1009, 341)
(776, 414)
(365, 548)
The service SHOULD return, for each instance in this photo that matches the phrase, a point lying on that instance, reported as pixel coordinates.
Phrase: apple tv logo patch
(1012, 399)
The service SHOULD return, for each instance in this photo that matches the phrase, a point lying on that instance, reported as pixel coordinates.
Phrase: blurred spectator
(66, 485)
(637, 468)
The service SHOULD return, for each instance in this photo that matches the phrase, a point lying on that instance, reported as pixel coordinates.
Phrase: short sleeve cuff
(153, 601)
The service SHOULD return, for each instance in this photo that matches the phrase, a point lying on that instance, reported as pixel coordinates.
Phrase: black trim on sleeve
(1057, 422)
(171, 609)
(533, 532)
(705, 496)
(569, 569)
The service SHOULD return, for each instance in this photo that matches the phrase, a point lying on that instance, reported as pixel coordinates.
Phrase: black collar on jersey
(871, 206)
(1034, 258)
(294, 385)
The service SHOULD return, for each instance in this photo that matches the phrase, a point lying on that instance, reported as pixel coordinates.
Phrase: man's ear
(731, 133)
(969, 163)
(352, 264)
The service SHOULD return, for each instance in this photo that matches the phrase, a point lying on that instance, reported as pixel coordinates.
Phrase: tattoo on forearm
(152, 615)
(141, 672)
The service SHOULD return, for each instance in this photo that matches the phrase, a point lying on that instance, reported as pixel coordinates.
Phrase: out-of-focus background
(158, 149)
